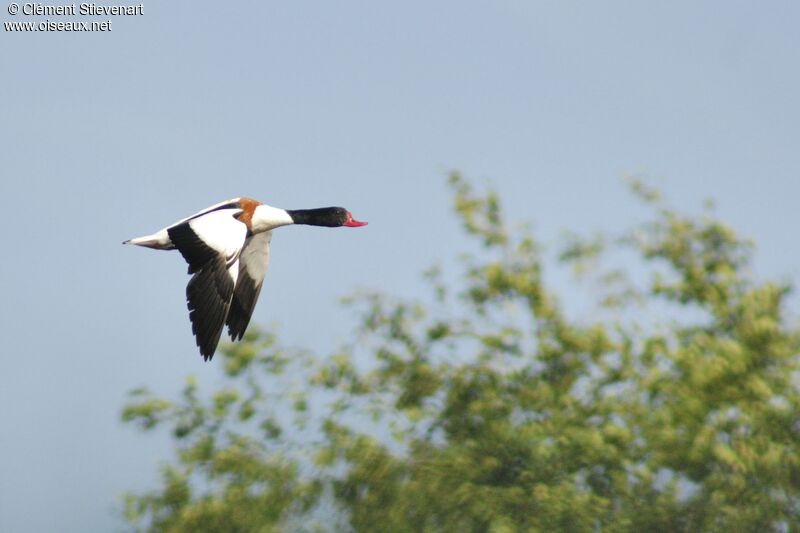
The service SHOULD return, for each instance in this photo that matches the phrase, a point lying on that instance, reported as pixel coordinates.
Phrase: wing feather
(233, 203)
(214, 261)
(253, 263)
(208, 297)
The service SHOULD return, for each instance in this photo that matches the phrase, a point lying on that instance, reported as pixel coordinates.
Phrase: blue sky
(106, 136)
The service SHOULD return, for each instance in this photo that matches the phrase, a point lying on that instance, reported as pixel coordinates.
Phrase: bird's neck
(323, 216)
(266, 217)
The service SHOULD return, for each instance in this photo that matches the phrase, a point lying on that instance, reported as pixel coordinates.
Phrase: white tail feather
(159, 241)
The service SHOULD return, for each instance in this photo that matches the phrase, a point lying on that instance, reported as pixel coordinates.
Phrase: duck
(227, 249)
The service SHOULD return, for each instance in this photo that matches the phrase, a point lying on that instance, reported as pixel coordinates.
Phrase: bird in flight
(227, 248)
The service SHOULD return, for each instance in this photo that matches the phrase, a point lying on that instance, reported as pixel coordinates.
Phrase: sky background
(107, 136)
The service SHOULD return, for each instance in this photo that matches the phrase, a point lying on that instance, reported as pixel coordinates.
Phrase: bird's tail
(159, 241)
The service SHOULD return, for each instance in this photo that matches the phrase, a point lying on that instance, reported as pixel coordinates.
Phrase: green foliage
(489, 408)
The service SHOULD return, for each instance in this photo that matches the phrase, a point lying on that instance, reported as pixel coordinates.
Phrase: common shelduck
(227, 248)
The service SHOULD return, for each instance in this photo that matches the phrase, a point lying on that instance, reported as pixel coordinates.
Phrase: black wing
(209, 292)
(253, 262)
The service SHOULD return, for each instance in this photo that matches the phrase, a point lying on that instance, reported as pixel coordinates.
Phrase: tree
(489, 408)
